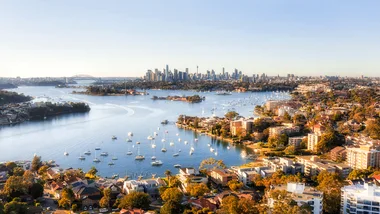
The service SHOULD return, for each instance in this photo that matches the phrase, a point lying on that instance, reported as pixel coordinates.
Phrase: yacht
(153, 158)
(163, 140)
(216, 152)
(114, 158)
(130, 134)
(196, 139)
(171, 143)
(191, 152)
(87, 152)
(129, 140)
(212, 150)
(139, 157)
(150, 137)
(81, 157)
(228, 147)
(177, 134)
(114, 137)
(111, 163)
(164, 122)
(137, 142)
(186, 142)
(153, 146)
(104, 154)
(96, 160)
(164, 150)
(157, 163)
(97, 148)
(177, 166)
(175, 154)
(179, 139)
(66, 153)
(208, 145)
(129, 153)
(179, 150)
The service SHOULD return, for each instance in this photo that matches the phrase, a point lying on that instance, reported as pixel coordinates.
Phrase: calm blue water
(118, 115)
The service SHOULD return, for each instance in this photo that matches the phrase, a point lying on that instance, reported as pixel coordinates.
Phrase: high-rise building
(312, 141)
(360, 199)
(363, 157)
(167, 71)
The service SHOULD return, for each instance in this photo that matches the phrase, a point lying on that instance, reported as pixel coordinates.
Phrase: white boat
(130, 134)
(140, 157)
(157, 163)
(114, 137)
(150, 137)
(129, 153)
(192, 148)
(155, 133)
(129, 140)
(196, 139)
(228, 147)
(111, 163)
(137, 142)
(216, 152)
(186, 142)
(114, 158)
(154, 146)
(177, 134)
(97, 148)
(153, 158)
(175, 154)
(164, 150)
(163, 140)
(191, 152)
(171, 144)
(87, 152)
(96, 160)
(177, 166)
(104, 154)
(212, 150)
(81, 157)
(208, 145)
(158, 128)
(179, 139)
(66, 154)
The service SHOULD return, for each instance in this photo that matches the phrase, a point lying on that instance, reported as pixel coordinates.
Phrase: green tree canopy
(231, 115)
(106, 199)
(235, 185)
(15, 206)
(172, 194)
(196, 190)
(36, 163)
(135, 200)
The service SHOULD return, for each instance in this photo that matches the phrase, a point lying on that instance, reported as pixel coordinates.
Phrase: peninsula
(190, 99)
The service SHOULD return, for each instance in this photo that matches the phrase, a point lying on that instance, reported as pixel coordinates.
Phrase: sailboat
(163, 144)
(186, 142)
(96, 160)
(87, 152)
(228, 147)
(157, 163)
(66, 153)
(114, 157)
(176, 153)
(139, 157)
(130, 135)
(81, 157)
(216, 152)
(111, 163)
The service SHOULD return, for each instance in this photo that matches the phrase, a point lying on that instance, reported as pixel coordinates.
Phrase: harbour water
(118, 115)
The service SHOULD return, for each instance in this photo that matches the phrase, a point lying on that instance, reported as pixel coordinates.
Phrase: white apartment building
(312, 141)
(360, 199)
(363, 157)
(302, 195)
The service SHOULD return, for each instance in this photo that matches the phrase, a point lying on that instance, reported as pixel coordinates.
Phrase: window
(375, 203)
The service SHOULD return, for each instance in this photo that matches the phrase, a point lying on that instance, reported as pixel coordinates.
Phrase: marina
(107, 136)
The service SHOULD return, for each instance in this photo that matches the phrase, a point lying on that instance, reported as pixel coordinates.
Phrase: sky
(128, 37)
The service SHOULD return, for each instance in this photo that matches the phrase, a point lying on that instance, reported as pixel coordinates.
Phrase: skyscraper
(167, 71)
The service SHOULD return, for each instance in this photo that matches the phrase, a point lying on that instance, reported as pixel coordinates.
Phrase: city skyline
(121, 38)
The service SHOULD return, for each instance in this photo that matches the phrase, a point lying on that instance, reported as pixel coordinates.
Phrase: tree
(67, 198)
(287, 117)
(278, 140)
(105, 200)
(43, 169)
(328, 140)
(36, 163)
(231, 115)
(212, 163)
(37, 190)
(330, 184)
(18, 171)
(172, 194)
(91, 174)
(290, 150)
(359, 173)
(135, 200)
(230, 205)
(15, 206)
(10, 166)
(235, 185)
(168, 173)
(15, 187)
(196, 190)
(373, 129)
(1, 208)
(28, 177)
(247, 206)
(170, 207)
(74, 207)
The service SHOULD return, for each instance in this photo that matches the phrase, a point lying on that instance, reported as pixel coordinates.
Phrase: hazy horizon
(126, 38)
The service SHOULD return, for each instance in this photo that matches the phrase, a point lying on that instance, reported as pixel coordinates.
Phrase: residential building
(222, 176)
(301, 194)
(312, 141)
(286, 129)
(360, 199)
(190, 175)
(246, 175)
(313, 166)
(271, 105)
(244, 126)
(295, 141)
(149, 186)
(285, 165)
(363, 157)
(338, 153)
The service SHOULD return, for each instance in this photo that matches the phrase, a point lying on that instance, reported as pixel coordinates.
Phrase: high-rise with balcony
(363, 157)
(360, 199)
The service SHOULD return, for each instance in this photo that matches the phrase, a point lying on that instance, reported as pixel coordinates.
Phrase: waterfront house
(149, 186)
(222, 176)
(190, 175)
(246, 175)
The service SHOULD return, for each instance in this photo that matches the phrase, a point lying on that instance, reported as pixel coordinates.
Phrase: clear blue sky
(125, 38)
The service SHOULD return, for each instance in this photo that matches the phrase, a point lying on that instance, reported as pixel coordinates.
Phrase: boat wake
(129, 110)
